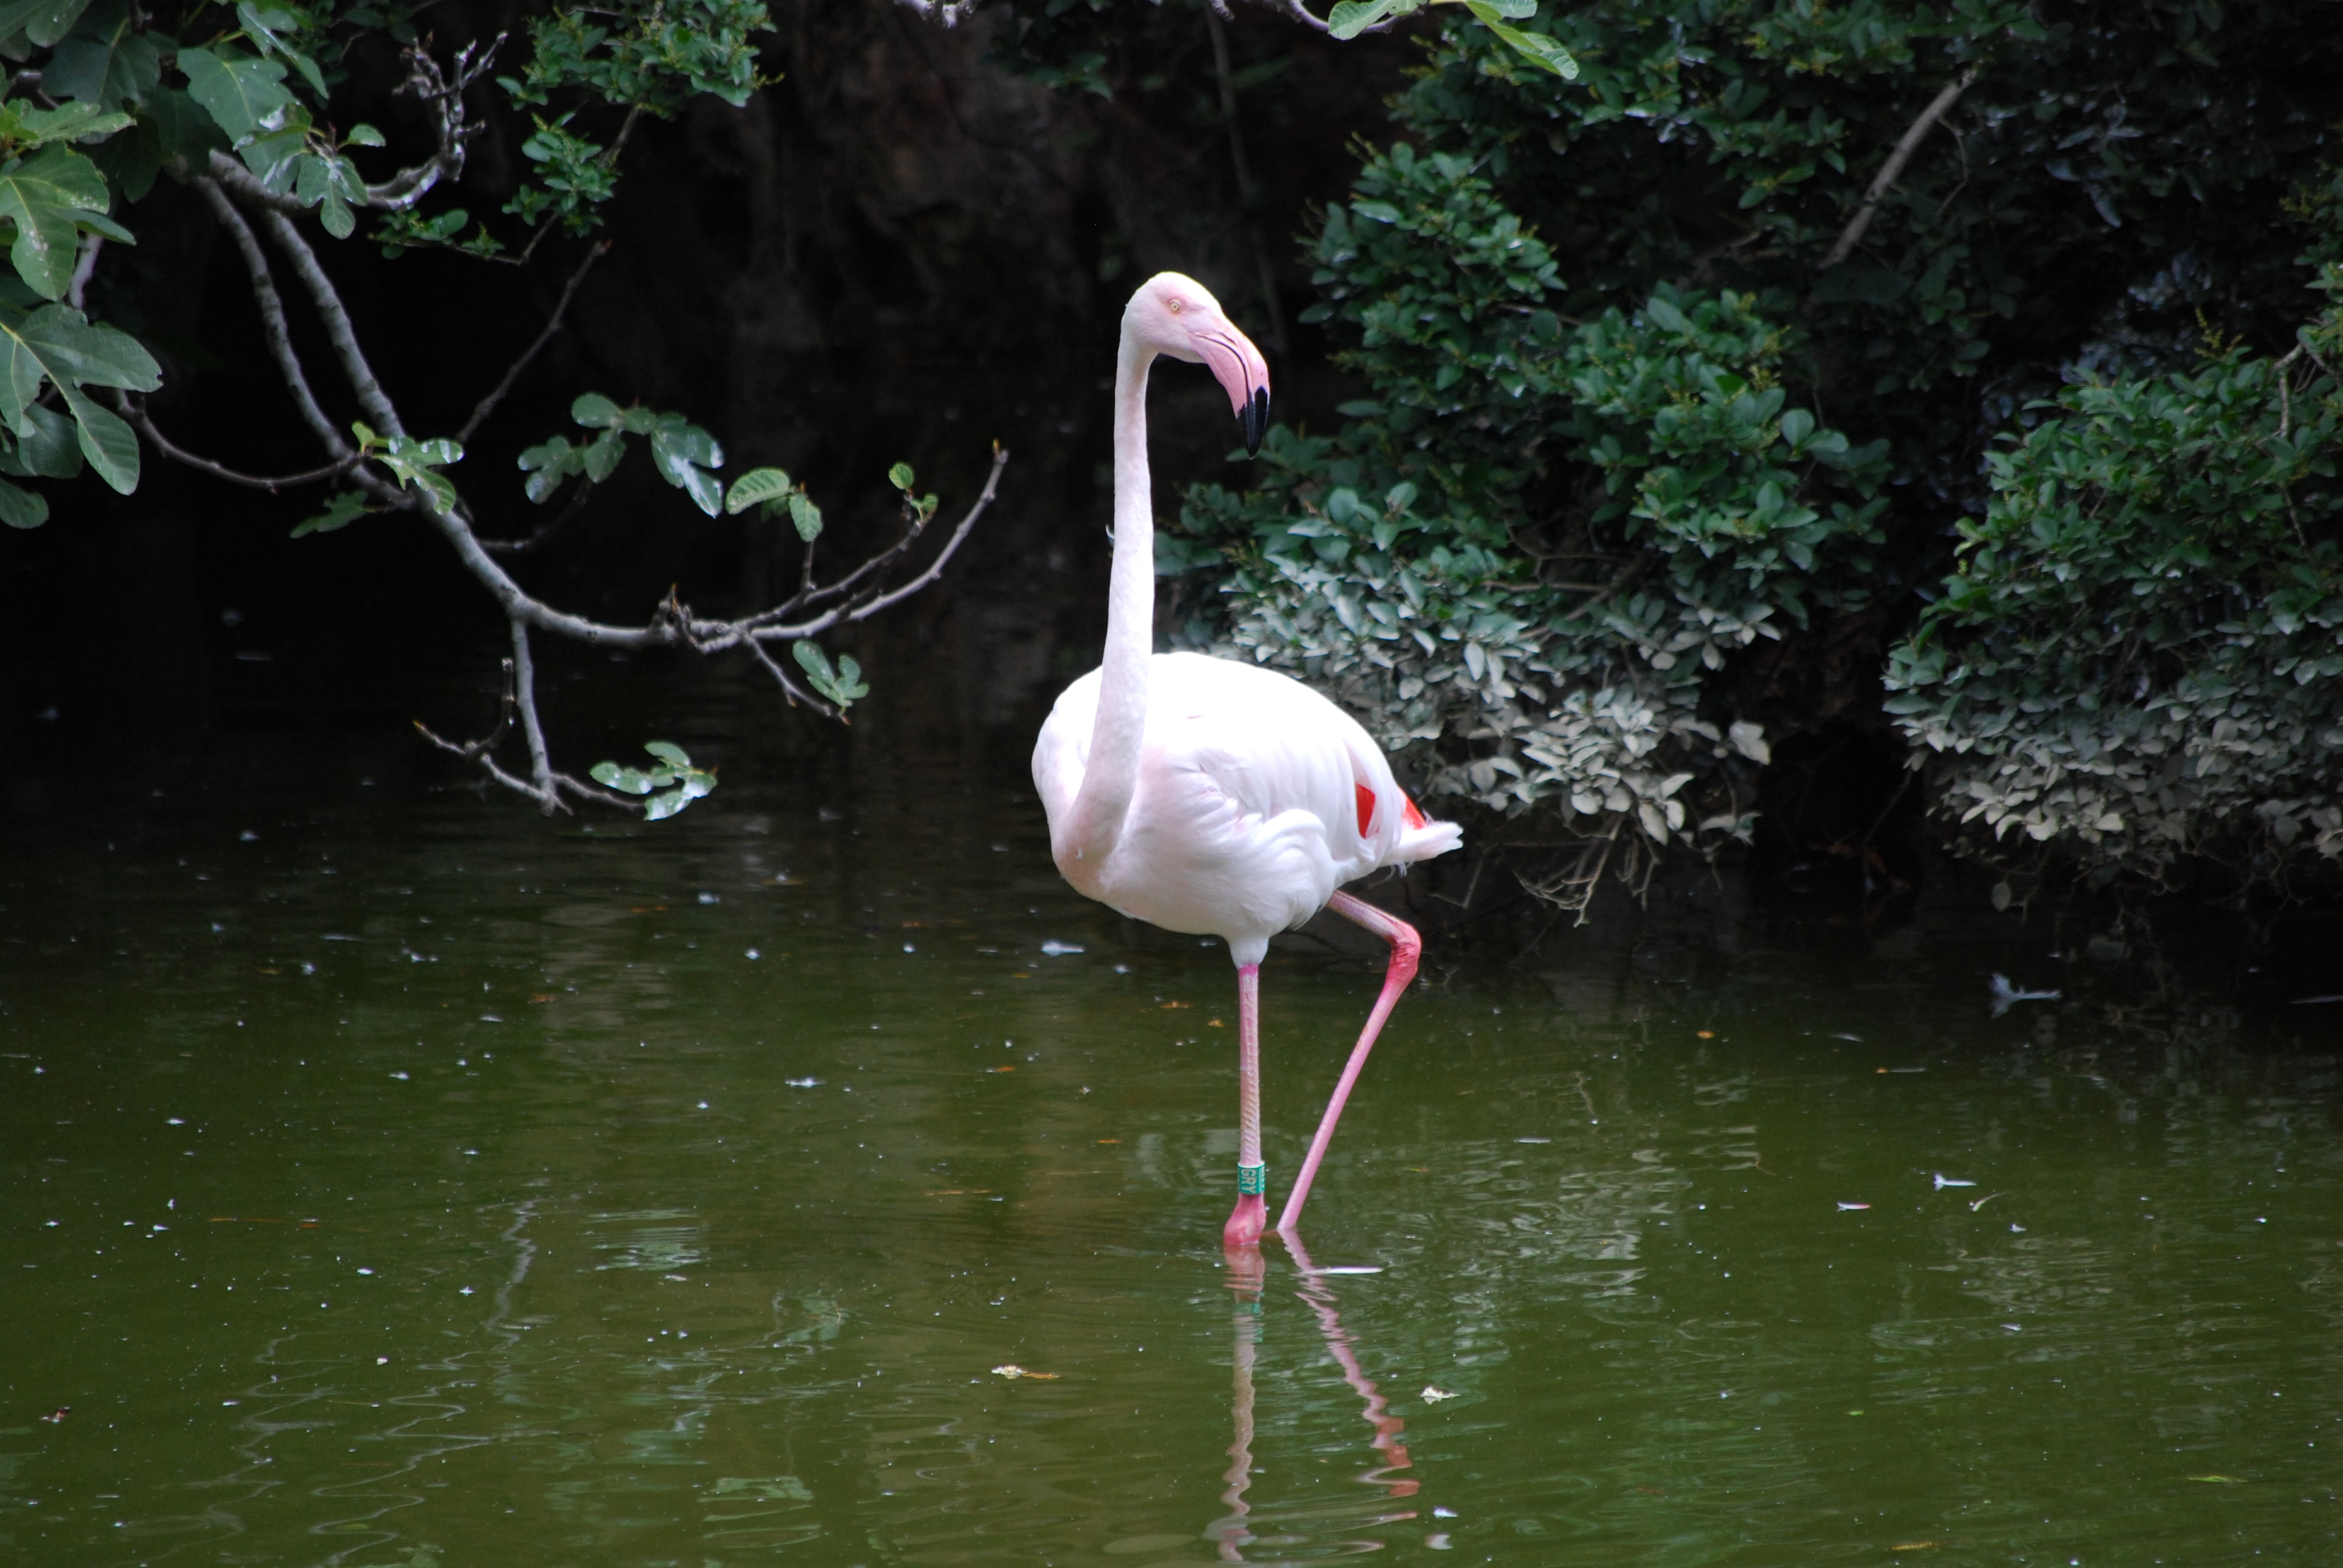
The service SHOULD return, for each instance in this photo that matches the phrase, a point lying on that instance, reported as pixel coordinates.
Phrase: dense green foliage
(2139, 656)
(1656, 378)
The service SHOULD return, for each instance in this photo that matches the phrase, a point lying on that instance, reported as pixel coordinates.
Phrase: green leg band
(1252, 1178)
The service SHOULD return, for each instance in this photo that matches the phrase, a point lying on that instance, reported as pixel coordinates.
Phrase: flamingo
(1211, 797)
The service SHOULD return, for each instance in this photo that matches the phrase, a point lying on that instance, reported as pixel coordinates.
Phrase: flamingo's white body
(1207, 796)
(1256, 799)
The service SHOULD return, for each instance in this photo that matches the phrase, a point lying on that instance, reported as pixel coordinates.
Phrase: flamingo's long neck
(1112, 770)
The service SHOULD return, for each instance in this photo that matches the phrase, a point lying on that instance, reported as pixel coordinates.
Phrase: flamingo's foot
(1246, 1222)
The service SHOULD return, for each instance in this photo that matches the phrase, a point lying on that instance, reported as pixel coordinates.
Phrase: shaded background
(899, 251)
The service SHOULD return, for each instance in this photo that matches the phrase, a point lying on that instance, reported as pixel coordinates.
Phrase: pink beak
(1243, 372)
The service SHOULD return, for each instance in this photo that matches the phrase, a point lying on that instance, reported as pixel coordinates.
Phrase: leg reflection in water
(1235, 1531)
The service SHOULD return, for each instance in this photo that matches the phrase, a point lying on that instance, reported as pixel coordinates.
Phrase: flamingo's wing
(1274, 746)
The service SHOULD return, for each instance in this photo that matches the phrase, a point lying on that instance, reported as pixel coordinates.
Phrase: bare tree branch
(1298, 12)
(861, 594)
(272, 317)
(441, 92)
(134, 411)
(329, 301)
(525, 696)
(1852, 235)
(444, 95)
(84, 264)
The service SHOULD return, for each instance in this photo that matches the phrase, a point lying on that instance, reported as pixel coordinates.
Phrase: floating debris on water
(1012, 1370)
(2005, 994)
(1844, 1207)
(1943, 1181)
(802, 1082)
(1432, 1395)
(1053, 949)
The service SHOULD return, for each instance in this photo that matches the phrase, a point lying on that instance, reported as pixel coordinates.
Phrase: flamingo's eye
(1176, 305)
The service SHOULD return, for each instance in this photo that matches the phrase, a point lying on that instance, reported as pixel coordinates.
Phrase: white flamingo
(1207, 796)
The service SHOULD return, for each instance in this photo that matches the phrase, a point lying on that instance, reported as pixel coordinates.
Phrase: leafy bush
(2137, 659)
(1708, 349)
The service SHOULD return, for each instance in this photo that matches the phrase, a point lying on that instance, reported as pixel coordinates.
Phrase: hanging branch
(814, 608)
(1889, 172)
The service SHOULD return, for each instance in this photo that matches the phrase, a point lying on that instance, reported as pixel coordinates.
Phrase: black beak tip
(1254, 420)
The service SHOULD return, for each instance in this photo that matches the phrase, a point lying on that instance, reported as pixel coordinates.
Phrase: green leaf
(1352, 17)
(110, 446)
(104, 62)
(131, 162)
(346, 508)
(841, 686)
(43, 22)
(48, 450)
(184, 133)
(46, 195)
(755, 485)
(336, 216)
(682, 454)
(1538, 49)
(279, 151)
(689, 783)
(899, 476)
(807, 516)
(602, 457)
(1797, 425)
(596, 412)
(22, 509)
(547, 466)
(237, 90)
(56, 345)
(364, 135)
(610, 776)
(415, 463)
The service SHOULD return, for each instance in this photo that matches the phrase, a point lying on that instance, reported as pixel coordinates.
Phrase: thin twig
(864, 611)
(486, 405)
(471, 750)
(1852, 235)
(577, 501)
(134, 411)
(599, 797)
(1299, 13)
(789, 688)
(272, 317)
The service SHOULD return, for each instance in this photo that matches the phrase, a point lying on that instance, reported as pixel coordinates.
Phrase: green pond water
(408, 1180)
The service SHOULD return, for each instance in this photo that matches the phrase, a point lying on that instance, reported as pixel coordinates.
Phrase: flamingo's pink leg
(1251, 1216)
(1406, 946)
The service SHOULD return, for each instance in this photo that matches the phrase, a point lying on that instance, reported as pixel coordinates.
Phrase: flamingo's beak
(1243, 372)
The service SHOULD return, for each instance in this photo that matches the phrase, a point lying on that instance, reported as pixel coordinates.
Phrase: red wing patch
(1415, 818)
(1367, 809)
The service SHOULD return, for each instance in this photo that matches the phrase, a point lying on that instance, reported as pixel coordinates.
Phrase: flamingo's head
(1178, 316)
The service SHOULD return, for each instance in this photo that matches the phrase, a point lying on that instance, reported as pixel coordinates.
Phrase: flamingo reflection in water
(1233, 1531)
